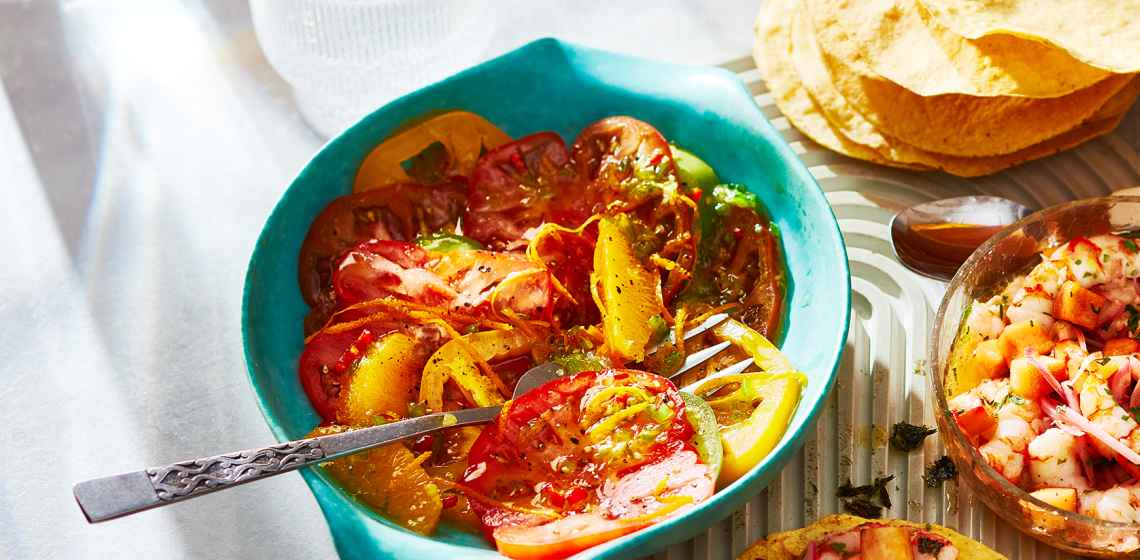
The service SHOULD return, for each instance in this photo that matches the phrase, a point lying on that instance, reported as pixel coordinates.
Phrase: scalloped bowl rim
(726, 499)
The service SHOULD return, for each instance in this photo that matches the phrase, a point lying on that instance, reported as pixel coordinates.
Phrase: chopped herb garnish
(927, 545)
(1130, 245)
(867, 500)
(838, 547)
(940, 471)
(908, 437)
(1133, 318)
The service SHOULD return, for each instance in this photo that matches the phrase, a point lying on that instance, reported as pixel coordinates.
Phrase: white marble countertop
(142, 145)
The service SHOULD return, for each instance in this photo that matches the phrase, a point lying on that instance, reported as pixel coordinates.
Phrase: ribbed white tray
(881, 375)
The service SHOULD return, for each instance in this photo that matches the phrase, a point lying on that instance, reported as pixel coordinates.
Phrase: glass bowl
(987, 271)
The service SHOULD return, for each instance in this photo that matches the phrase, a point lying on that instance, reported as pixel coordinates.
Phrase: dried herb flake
(867, 500)
(908, 437)
(940, 471)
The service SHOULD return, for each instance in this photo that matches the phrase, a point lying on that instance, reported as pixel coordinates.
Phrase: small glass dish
(987, 271)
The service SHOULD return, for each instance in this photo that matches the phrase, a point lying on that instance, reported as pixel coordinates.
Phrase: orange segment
(391, 480)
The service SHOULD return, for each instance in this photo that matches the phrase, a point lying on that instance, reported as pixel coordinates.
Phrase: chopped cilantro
(838, 547)
(927, 545)
(1130, 245)
(1133, 318)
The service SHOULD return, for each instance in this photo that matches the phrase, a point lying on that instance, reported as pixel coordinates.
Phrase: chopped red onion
(1099, 433)
(1120, 383)
(1049, 407)
(1051, 379)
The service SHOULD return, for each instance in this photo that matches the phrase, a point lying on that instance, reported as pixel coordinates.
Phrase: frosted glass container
(344, 58)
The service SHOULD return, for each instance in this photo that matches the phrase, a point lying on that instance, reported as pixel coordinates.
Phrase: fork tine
(697, 358)
(708, 323)
(730, 370)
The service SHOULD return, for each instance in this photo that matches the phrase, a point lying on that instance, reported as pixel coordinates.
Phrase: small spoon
(935, 238)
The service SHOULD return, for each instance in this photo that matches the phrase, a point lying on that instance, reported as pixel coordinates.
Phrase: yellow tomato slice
(767, 356)
(627, 293)
(465, 136)
(459, 360)
(748, 437)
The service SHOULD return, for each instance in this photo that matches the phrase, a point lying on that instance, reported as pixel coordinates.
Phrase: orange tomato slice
(465, 136)
(563, 537)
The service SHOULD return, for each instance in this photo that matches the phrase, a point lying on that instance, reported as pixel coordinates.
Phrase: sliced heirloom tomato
(612, 149)
(397, 212)
(461, 136)
(376, 269)
(328, 361)
(739, 259)
(585, 459)
(520, 185)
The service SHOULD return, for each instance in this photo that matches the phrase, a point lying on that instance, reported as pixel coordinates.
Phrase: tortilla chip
(791, 545)
(810, 68)
(953, 124)
(901, 44)
(773, 57)
(1105, 34)
(802, 89)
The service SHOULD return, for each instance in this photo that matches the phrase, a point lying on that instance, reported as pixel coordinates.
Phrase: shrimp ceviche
(464, 257)
(1043, 378)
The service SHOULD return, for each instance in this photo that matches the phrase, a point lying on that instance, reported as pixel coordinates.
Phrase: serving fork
(106, 498)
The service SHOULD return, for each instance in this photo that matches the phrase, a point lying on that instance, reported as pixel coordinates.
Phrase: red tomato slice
(561, 538)
(511, 277)
(518, 186)
(322, 385)
(398, 212)
(569, 257)
(376, 269)
(611, 150)
(539, 454)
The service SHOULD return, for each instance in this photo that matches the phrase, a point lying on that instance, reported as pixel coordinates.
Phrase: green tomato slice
(693, 171)
(706, 432)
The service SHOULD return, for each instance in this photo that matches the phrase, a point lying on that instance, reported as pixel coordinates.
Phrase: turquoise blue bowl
(551, 85)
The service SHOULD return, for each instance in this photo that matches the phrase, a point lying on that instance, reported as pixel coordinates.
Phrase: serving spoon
(935, 238)
(102, 499)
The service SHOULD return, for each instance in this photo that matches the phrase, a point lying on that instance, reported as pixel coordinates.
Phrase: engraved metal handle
(115, 496)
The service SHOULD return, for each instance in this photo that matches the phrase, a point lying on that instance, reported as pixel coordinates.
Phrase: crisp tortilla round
(773, 57)
(900, 44)
(810, 68)
(1101, 33)
(953, 124)
(791, 545)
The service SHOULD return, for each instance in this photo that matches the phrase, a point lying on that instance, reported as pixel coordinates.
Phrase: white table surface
(142, 145)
